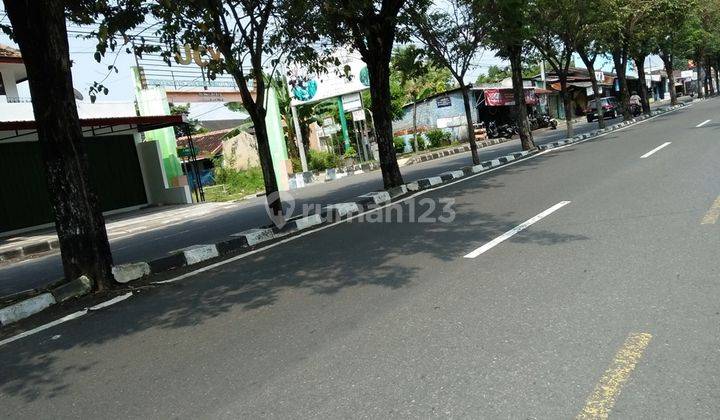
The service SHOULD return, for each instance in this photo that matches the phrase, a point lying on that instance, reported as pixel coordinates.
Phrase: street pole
(343, 124)
(298, 139)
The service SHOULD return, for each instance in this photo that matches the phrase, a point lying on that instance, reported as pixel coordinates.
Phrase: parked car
(610, 105)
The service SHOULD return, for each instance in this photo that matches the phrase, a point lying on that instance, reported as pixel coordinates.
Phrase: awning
(505, 97)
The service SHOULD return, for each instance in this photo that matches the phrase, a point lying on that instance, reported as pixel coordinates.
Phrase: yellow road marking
(713, 214)
(603, 398)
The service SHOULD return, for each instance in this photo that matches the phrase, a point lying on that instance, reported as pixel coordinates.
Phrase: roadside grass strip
(603, 398)
(519, 228)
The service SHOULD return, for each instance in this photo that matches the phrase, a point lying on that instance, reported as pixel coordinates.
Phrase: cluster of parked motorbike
(494, 130)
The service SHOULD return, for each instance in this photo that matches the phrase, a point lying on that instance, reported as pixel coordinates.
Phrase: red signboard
(504, 97)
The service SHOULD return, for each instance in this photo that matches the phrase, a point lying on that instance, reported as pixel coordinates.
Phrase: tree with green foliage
(554, 24)
(371, 28)
(592, 24)
(453, 35)
(508, 33)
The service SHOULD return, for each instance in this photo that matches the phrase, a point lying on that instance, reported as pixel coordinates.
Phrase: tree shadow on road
(392, 253)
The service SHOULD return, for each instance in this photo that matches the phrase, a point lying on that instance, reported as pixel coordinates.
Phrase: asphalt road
(150, 244)
(610, 302)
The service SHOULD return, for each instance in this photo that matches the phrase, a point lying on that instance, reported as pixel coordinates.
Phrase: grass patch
(233, 185)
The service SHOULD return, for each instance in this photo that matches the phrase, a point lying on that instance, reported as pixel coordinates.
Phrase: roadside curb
(32, 302)
(609, 129)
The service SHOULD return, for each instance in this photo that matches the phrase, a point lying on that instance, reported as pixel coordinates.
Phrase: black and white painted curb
(25, 304)
(304, 179)
(611, 128)
(30, 249)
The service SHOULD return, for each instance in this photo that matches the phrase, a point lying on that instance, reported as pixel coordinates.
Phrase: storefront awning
(505, 97)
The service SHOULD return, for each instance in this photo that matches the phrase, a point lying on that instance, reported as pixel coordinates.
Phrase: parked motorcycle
(546, 121)
(505, 130)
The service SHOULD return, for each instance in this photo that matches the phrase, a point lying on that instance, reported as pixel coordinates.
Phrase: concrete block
(256, 236)
(25, 308)
(124, 273)
(330, 174)
(478, 168)
(170, 262)
(452, 175)
(397, 191)
(495, 162)
(413, 186)
(307, 221)
(429, 182)
(376, 198)
(200, 253)
(340, 210)
(231, 245)
(76, 288)
(36, 248)
(10, 254)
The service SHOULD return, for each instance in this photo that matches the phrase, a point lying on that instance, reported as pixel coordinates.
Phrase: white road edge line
(66, 318)
(702, 123)
(519, 228)
(439, 187)
(650, 153)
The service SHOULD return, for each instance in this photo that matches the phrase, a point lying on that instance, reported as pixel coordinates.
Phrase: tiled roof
(9, 52)
(209, 144)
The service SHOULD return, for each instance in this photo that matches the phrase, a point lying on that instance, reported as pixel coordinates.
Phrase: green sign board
(184, 152)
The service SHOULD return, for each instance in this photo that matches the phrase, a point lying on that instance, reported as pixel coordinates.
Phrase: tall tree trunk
(669, 69)
(415, 140)
(708, 75)
(698, 69)
(644, 98)
(590, 66)
(42, 36)
(567, 103)
(266, 164)
(526, 136)
(717, 78)
(468, 120)
(620, 61)
(379, 72)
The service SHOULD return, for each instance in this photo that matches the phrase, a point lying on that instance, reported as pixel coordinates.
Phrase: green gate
(114, 174)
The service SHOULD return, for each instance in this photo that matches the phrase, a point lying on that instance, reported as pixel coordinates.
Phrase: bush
(399, 144)
(438, 137)
(350, 153)
(319, 161)
(236, 182)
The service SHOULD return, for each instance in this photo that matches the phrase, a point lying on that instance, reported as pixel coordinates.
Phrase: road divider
(519, 228)
(653, 151)
(603, 398)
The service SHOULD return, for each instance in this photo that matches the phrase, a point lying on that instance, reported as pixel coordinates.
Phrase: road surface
(146, 241)
(608, 301)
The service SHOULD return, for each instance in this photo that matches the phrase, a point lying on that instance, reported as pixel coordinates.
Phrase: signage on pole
(352, 102)
(358, 115)
(350, 76)
(599, 76)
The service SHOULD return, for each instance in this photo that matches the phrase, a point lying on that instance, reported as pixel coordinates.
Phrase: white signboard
(358, 115)
(599, 76)
(349, 77)
(351, 102)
